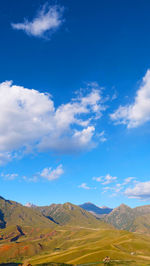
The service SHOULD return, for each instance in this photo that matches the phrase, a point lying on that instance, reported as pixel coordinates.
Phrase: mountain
(121, 217)
(95, 210)
(69, 214)
(13, 213)
(131, 219)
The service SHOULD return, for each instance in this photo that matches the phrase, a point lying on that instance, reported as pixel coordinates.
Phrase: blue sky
(75, 101)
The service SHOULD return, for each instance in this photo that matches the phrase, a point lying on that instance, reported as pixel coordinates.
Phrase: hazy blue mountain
(95, 210)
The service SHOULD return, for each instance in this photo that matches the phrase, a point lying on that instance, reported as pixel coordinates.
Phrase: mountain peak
(123, 206)
(30, 205)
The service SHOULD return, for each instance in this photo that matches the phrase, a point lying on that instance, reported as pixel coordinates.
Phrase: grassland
(82, 246)
(76, 246)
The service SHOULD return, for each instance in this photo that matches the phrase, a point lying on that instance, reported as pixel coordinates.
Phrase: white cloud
(105, 179)
(109, 179)
(120, 187)
(29, 120)
(48, 19)
(9, 176)
(140, 191)
(137, 113)
(52, 174)
(47, 173)
(84, 186)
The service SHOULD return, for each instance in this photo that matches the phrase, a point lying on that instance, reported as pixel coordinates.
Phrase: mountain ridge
(131, 219)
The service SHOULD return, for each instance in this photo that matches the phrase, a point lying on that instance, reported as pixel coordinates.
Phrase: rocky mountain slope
(123, 217)
(69, 214)
(131, 219)
(13, 213)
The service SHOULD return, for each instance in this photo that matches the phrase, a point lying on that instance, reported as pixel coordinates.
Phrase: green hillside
(80, 246)
(74, 245)
(13, 213)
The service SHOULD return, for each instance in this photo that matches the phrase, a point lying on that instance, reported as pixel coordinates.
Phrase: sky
(75, 101)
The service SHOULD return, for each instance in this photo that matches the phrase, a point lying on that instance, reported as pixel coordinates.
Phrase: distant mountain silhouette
(95, 210)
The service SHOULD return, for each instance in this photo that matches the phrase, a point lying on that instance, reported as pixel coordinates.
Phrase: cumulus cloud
(137, 113)
(52, 174)
(48, 173)
(29, 120)
(48, 20)
(140, 191)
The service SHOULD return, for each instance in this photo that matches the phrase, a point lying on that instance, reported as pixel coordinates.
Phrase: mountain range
(73, 234)
(87, 214)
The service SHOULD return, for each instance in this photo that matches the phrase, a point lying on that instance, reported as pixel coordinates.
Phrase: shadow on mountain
(2, 221)
(21, 233)
(51, 219)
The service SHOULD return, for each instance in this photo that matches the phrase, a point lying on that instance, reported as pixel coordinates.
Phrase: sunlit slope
(37, 240)
(13, 213)
(121, 217)
(86, 246)
(69, 214)
(141, 224)
(14, 246)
